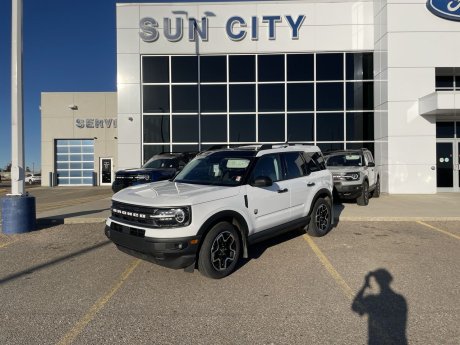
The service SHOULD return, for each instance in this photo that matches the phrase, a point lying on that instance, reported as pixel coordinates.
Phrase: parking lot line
(70, 336)
(439, 230)
(332, 271)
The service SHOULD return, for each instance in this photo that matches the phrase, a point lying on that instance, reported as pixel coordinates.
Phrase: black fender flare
(233, 217)
(323, 192)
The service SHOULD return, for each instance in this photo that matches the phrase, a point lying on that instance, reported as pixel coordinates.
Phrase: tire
(220, 251)
(363, 199)
(320, 221)
(376, 191)
(30, 182)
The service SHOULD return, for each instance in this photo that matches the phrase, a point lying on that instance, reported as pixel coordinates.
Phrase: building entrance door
(447, 165)
(105, 171)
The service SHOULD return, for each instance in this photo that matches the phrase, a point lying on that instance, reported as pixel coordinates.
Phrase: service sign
(447, 9)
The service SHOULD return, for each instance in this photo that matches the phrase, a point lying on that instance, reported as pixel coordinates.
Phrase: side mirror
(262, 181)
(371, 164)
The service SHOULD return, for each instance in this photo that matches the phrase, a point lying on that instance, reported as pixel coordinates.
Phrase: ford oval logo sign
(447, 9)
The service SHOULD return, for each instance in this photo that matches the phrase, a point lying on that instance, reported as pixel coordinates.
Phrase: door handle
(310, 184)
(283, 190)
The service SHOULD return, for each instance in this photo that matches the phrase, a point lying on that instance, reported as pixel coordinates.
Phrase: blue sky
(69, 46)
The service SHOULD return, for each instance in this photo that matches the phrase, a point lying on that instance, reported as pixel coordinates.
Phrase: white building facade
(338, 74)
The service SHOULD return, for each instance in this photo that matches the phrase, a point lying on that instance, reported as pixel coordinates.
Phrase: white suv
(220, 203)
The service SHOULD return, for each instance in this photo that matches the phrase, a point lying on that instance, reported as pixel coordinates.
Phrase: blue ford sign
(447, 9)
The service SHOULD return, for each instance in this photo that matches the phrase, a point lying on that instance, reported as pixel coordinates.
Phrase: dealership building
(381, 75)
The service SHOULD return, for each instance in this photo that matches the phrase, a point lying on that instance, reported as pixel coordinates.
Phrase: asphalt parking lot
(68, 284)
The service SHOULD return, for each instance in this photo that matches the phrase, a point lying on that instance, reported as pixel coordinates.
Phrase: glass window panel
(242, 128)
(300, 97)
(457, 82)
(300, 127)
(88, 165)
(213, 98)
(75, 149)
(63, 173)
(75, 173)
(155, 69)
(156, 128)
(268, 166)
(62, 142)
(214, 128)
(63, 181)
(87, 173)
(61, 166)
(185, 148)
(152, 150)
(295, 165)
(360, 96)
(184, 69)
(87, 142)
(185, 99)
(327, 147)
(242, 98)
(329, 127)
(356, 146)
(271, 97)
(213, 69)
(360, 126)
(360, 66)
(458, 129)
(75, 181)
(75, 166)
(87, 181)
(271, 128)
(185, 128)
(155, 99)
(329, 96)
(242, 68)
(300, 67)
(63, 158)
(75, 158)
(75, 142)
(329, 66)
(62, 149)
(445, 129)
(87, 158)
(87, 149)
(445, 82)
(270, 67)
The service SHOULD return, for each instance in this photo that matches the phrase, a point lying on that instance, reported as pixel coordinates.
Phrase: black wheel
(31, 182)
(220, 251)
(320, 222)
(363, 199)
(376, 192)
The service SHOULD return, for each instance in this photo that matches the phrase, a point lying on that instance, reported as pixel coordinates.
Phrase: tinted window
(325, 147)
(185, 148)
(300, 127)
(152, 150)
(360, 66)
(270, 67)
(300, 67)
(295, 165)
(271, 128)
(185, 128)
(267, 166)
(242, 68)
(156, 99)
(329, 66)
(242, 128)
(213, 98)
(300, 97)
(213, 69)
(444, 82)
(242, 98)
(360, 126)
(355, 146)
(156, 128)
(185, 99)
(271, 97)
(329, 96)
(155, 69)
(184, 69)
(445, 129)
(214, 128)
(360, 96)
(329, 127)
(311, 160)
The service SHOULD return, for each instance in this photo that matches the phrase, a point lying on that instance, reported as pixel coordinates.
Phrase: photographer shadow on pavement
(386, 310)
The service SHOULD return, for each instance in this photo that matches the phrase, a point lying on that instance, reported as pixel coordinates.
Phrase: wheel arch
(323, 193)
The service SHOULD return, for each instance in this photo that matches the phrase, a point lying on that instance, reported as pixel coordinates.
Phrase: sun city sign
(236, 27)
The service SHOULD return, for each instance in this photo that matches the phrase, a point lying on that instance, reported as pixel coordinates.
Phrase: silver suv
(355, 175)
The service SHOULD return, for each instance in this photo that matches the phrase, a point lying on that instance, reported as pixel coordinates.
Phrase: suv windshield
(345, 160)
(162, 163)
(226, 168)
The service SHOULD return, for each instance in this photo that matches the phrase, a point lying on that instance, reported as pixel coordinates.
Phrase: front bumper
(348, 191)
(168, 252)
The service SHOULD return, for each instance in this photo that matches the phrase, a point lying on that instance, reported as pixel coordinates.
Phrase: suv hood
(345, 169)
(140, 171)
(167, 193)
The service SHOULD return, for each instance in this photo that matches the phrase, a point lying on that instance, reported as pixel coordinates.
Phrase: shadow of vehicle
(44, 223)
(386, 310)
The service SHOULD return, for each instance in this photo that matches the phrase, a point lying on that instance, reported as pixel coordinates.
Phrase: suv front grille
(133, 213)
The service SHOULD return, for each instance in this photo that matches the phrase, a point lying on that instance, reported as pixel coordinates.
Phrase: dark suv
(160, 167)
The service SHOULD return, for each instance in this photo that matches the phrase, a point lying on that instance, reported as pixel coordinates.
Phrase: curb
(397, 219)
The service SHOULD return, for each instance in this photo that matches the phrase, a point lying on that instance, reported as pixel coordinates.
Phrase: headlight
(143, 177)
(178, 216)
(352, 176)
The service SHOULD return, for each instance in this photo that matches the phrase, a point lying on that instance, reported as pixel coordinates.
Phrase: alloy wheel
(223, 251)
(322, 218)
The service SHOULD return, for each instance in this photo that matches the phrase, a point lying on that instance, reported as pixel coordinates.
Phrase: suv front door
(370, 169)
(268, 206)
